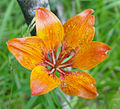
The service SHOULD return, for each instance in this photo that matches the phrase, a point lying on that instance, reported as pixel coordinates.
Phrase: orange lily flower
(75, 40)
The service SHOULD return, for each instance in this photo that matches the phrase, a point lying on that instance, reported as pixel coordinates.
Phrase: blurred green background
(14, 79)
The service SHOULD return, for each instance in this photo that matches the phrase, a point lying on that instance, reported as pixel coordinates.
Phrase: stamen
(64, 55)
(59, 70)
(62, 61)
(49, 63)
(53, 57)
(64, 65)
(53, 70)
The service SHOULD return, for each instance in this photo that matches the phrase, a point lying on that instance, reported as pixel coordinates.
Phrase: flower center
(59, 59)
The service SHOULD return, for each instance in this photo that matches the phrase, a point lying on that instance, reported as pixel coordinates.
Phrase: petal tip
(33, 93)
(97, 94)
(7, 43)
(94, 96)
(89, 11)
(38, 10)
(92, 10)
(41, 11)
(108, 52)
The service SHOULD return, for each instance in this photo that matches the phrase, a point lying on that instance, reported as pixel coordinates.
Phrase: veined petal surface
(28, 51)
(79, 84)
(79, 29)
(91, 54)
(49, 28)
(41, 82)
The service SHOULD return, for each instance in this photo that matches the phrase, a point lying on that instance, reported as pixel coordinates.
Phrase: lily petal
(28, 51)
(41, 82)
(91, 54)
(49, 28)
(79, 84)
(79, 29)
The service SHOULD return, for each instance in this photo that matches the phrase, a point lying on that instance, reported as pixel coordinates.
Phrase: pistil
(53, 58)
(64, 65)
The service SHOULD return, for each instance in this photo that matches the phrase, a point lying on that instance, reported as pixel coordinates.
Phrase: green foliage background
(14, 79)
